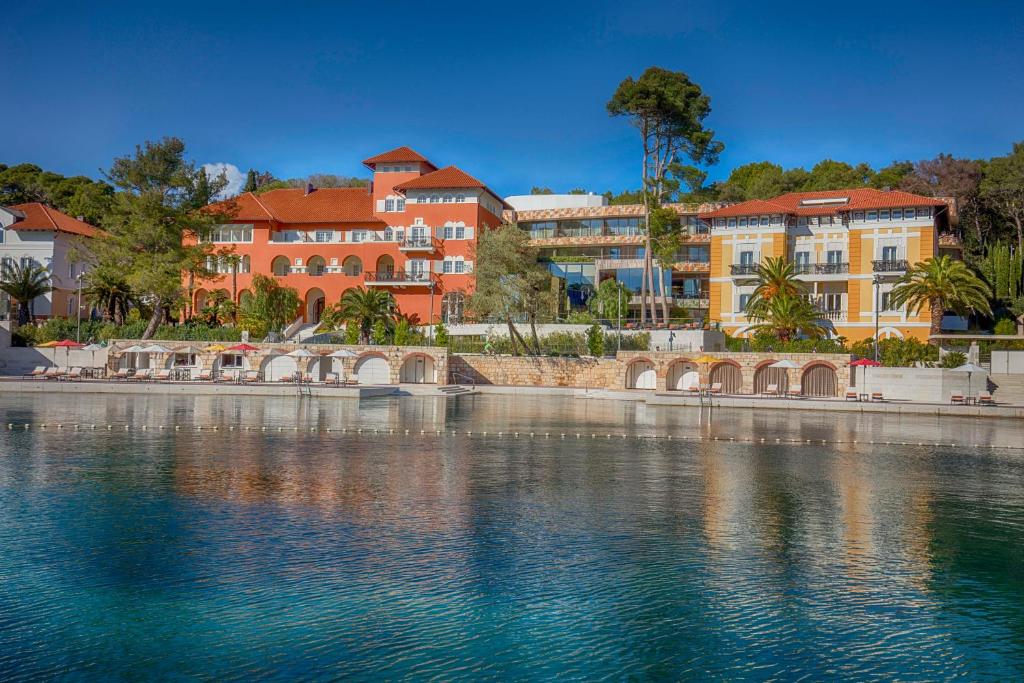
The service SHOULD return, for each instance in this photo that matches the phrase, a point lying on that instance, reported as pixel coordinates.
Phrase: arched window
(281, 266)
(246, 265)
(452, 305)
(352, 266)
(389, 234)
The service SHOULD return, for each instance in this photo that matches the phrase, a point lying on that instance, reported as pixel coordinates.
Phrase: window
(732, 223)
(801, 221)
(417, 268)
(358, 235)
(803, 258)
(434, 199)
(324, 235)
(746, 258)
(886, 304)
(389, 234)
(449, 232)
(231, 233)
(460, 232)
(7, 262)
(833, 302)
(246, 265)
(888, 253)
(446, 266)
(764, 220)
(27, 262)
(460, 199)
(743, 222)
(908, 214)
(834, 256)
(399, 235)
(417, 233)
(858, 215)
(776, 220)
(389, 204)
(448, 199)
(231, 360)
(400, 204)
(184, 360)
(460, 266)
(744, 300)
(3, 234)
(872, 215)
(884, 215)
(897, 214)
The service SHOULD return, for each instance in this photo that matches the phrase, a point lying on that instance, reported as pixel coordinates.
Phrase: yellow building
(847, 246)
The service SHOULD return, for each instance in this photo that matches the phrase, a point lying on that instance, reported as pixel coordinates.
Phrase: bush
(379, 334)
(580, 318)
(440, 334)
(765, 342)
(1005, 326)
(595, 340)
(402, 333)
(351, 332)
(953, 359)
(897, 353)
(57, 329)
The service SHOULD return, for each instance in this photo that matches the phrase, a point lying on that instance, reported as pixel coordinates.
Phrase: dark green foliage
(75, 196)
(595, 340)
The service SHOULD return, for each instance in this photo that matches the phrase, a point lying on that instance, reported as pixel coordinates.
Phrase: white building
(36, 233)
(536, 202)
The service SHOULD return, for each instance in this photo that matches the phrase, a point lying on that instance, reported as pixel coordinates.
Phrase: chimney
(309, 189)
(81, 218)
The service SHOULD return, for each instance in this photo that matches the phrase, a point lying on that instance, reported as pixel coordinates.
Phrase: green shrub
(1005, 326)
(953, 359)
(595, 340)
(379, 334)
(402, 333)
(897, 353)
(351, 332)
(580, 318)
(440, 334)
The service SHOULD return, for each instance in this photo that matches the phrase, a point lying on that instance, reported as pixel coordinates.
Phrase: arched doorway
(418, 369)
(819, 380)
(641, 375)
(280, 266)
(316, 266)
(373, 370)
(728, 375)
(767, 375)
(276, 367)
(315, 300)
(682, 376)
(244, 296)
(352, 266)
(200, 302)
(386, 265)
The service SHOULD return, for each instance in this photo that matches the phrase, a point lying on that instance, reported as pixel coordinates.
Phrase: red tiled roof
(448, 178)
(793, 203)
(293, 205)
(398, 154)
(41, 217)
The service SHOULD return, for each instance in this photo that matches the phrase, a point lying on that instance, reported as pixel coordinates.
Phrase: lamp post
(877, 281)
(618, 309)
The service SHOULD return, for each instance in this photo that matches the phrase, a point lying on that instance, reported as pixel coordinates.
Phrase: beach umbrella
(244, 348)
(302, 353)
(133, 349)
(215, 348)
(343, 353)
(786, 365)
(92, 349)
(705, 360)
(46, 345)
(864, 363)
(156, 349)
(67, 345)
(970, 369)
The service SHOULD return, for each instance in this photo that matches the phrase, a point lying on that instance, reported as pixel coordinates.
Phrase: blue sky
(513, 93)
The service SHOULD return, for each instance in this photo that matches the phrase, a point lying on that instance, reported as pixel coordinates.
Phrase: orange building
(411, 232)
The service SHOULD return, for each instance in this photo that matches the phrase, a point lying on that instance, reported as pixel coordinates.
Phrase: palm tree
(24, 284)
(109, 292)
(788, 316)
(776, 278)
(942, 284)
(366, 307)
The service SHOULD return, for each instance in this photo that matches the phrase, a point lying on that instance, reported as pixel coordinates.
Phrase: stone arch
(682, 375)
(372, 368)
(386, 265)
(728, 374)
(316, 300)
(316, 266)
(765, 375)
(277, 366)
(641, 373)
(280, 266)
(352, 266)
(744, 332)
(243, 296)
(819, 378)
(418, 368)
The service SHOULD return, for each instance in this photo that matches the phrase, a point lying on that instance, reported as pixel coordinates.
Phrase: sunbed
(877, 396)
(74, 373)
(794, 391)
(956, 397)
(771, 390)
(162, 375)
(985, 399)
(39, 372)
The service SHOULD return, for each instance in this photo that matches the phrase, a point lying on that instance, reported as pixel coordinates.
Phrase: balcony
(421, 244)
(398, 278)
(743, 269)
(821, 268)
(835, 316)
(898, 266)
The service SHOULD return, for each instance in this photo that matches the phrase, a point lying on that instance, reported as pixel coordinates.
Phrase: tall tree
(759, 180)
(369, 309)
(107, 289)
(1002, 186)
(1003, 270)
(157, 223)
(270, 308)
(250, 181)
(946, 176)
(834, 175)
(942, 284)
(668, 110)
(23, 284)
(776, 278)
(510, 284)
(787, 317)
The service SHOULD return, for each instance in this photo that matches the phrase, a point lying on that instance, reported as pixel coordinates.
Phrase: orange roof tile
(794, 203)
(398, 154)
(41, 217)
(293, 205)
(448, 178)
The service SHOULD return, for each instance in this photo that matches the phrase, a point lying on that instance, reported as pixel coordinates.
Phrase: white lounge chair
(771, 390)
(40, 371)
(956, 398)
(877, 396)
(332, 378)
(123, 373)
(794, 391)
(716, 388)
(985, 399)
(162, 375)
(74, 373)
(204, 375)
(851, 395)
(54, 372)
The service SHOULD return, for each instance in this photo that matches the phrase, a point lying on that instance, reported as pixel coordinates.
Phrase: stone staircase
(456, 390)
(1008, 388)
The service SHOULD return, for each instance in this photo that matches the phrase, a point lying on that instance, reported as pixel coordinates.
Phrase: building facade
(585, 241)
(847, 246)
(36, 234)
(411, 232)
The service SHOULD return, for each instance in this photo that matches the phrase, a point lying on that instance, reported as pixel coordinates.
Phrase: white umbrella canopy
(302, 353)
(134, 348)
(93, 347)
(343, 353)
(785, 364)
(156, 348)
(970, 369)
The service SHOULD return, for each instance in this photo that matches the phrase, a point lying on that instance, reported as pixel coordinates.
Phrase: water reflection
(295, 553)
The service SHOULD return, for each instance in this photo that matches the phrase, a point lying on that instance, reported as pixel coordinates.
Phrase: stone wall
(613, 373)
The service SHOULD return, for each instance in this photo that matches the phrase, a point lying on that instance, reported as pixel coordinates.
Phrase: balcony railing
(832, 315)
(398, 277)
(743, 268)
(418, 244)
(821, 268)
(896, 266)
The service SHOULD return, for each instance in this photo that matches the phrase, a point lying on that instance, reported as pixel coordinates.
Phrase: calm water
(239, 555)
